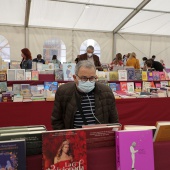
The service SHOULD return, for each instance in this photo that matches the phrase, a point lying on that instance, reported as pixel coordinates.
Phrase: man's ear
(74, 77)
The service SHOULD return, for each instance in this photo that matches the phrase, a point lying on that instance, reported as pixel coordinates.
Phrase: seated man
(91, 57)
(39, 59)
(84, 101)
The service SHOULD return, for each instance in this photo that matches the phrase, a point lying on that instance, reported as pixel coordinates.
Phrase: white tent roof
(134, 16)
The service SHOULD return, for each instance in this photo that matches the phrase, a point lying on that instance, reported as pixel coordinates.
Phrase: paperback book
(69, 71)
(134, 150)
(13, 155)
(64, 150)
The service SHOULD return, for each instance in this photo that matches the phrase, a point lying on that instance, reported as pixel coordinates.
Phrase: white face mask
(86, 87)
(89, 54)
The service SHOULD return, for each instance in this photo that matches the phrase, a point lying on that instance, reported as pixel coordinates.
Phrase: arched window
(4, 49)
(52, 47)
(88, 42)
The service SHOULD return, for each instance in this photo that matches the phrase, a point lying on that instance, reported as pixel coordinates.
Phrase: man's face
(84, 72)
(89, 51)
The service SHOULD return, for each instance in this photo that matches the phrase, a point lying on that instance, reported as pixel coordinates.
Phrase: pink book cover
(123, 86)
(134, 150)
(156, 75)
(162, 75)
(64, 150)
(138, 87)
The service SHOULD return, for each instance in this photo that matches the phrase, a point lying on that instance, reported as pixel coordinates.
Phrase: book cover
(35, 75)
(51, 86)
(155, 75)
(150, 75)
(28, 75)
(130, 87)
(112, 86)
(113, 75)
(138, 74)
(101, 75)
(3, 86)
(162, 75)
(130, 73)
(15, 64)
(2, 76)
(158, 85)
(59, 74)
(134, 150)
(12, 155)
(69, 71)
(138, 87)
(122, 74)
(162, 131)
(64, 150)
(164, 83)
(123, 86)
(146, 85)
(144, 76)
(11, 74)
(20, 74)
(17, 88)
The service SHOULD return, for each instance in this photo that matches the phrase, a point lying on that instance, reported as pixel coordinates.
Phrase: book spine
(117, 152)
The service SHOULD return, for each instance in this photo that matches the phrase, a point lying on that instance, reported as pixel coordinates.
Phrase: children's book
(150, 75)
(3, 86)
(122, 75)
(123, 86)
(28, 75)
(58, 74)
(130, 87)
(130, 74)
(20, 74)
(13, 155)
(164, 83)
(11, 74)
(112, 86)
(155, 75)
(138, 87)
(35, 75)
(138, 74)
(113, 75)
(64, 150)
(144, 76)
(69, 71)
(162, 75)
(134, 150)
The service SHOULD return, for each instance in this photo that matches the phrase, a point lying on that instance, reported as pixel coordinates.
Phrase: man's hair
(90, 47)
(84, 63)
(153, 56)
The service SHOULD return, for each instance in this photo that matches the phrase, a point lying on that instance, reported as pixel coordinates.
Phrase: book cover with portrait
(13, 155)
(65, 149)
(68, 71)
(134, 150)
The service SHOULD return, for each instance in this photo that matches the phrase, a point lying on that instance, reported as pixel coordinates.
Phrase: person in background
(162, 62)
(157, 65)
(26, 62)
(84, 101)
(117, 62)
(55, 60)
(125, 58)
(153, 57)
(39, 59)
(77, 59)
(148, 66)
(132, 61)
(90, 56)
(144, 59)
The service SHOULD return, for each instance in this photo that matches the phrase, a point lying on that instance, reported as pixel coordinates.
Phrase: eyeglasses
(84, 79)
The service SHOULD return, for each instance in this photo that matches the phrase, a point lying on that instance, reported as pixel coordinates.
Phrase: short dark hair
(148, 63)
(144, 59)
(39, 56)
(153, 56)
(54, 57)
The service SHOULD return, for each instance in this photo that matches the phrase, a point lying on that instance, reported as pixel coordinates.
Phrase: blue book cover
(117, 87)
(51, 86)
(130, 73)
(112, 86)
(13, 155)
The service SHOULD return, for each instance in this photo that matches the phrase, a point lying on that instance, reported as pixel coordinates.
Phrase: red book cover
(123, 86)
(64, 150)
(162, 75)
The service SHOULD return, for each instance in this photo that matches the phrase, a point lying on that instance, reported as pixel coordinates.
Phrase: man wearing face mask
(91, 57)
(84, 101)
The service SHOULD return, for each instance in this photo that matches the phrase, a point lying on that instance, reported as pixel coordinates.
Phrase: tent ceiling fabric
(94, 15)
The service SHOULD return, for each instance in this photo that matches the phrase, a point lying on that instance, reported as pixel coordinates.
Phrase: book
(138, 74)
(123, 86)
(28, 75)
(20, 74)
(140, 127)
(3, 86)
(138, 87)
(2, 76)
(17, 88)
(122, 74)
(11, 74)
(130, 73)
(13, 155)
(162, 131)
(112, 86)
(146, 85)
(68, 71)
(31, 134)
(35, 75)
(58, 74)
(144, 76)
(164, 83)
(155, 75)
(72, 142)
(50, 87)
(134, 150)
(162, 75)
(113, 75)
(130, 87)
(15, 64)
(150, 75)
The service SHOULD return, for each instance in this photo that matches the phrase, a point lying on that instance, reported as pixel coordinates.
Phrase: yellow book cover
(162, 131)
(113, 75)
(144, 76)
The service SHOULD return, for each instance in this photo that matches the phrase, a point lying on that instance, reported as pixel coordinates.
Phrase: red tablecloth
(131, 111)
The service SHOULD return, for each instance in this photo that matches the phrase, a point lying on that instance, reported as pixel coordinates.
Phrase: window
(52, 47)
(88, 42)
(4, 49)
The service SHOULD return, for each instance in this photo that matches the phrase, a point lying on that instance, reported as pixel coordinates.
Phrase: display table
(131, 111)
(105, 158)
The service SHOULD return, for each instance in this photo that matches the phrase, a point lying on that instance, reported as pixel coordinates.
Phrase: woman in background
(26, 62)
(116, 62)
(132, 61)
